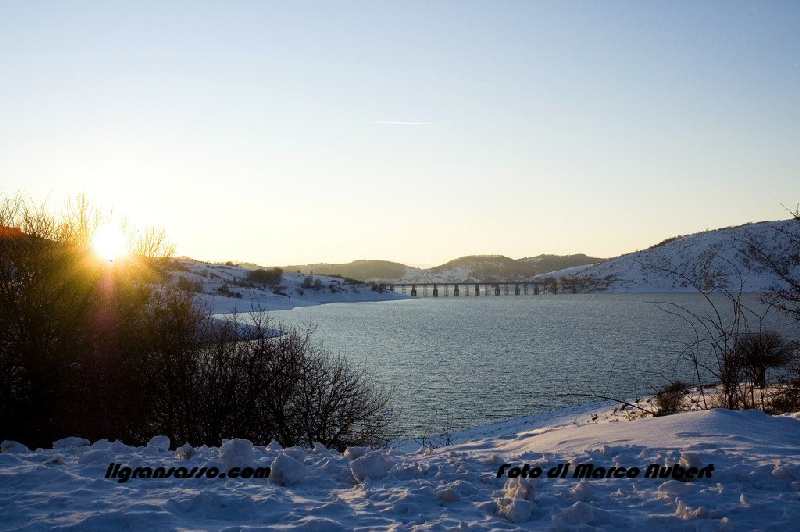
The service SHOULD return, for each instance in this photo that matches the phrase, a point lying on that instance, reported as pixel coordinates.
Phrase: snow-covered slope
(754, 484)
(487, 268)
(226, 289)
(483, 268)
(722, 251)
(418, 275)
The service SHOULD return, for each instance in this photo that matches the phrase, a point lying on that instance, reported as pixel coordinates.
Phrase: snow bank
(755, 484)
(237, 453)
(159, 443)
(70, 443)
(286, 470)
(372, 465)
(351, 453)
(11, 446)
(516, 505)
(184, 452)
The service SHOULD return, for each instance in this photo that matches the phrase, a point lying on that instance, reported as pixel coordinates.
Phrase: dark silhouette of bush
(214, 383)
(67, 321)
(786, 399)
(107, 351)
(268, 277)
(188, 285)
(757, 352)
(226, 291)
(669, 399)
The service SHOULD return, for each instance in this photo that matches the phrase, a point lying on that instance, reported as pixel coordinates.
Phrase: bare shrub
(270, 276)
(98, 350)
(760, 351)
(669, 399)
(783, 261)
(786, 399)
(188, 285)
(216, 383)
(717, 331)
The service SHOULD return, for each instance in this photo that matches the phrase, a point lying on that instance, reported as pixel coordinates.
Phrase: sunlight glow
(108, 243)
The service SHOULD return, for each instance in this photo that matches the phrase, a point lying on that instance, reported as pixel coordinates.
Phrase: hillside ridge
(718, 257)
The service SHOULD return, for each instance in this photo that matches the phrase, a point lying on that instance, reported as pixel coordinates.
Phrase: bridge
(474, 288)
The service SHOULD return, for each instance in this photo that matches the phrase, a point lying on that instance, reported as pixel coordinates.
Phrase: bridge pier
(476, 289)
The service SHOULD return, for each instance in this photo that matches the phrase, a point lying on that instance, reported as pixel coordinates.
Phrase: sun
(108, 243)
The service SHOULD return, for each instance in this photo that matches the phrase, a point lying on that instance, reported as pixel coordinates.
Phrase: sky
(295, 132)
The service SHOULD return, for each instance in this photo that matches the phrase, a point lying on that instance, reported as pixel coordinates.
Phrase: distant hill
(471, 268)
(722, 250)
(362, 270)
(550, 263)
(499, 267)
(718, 257)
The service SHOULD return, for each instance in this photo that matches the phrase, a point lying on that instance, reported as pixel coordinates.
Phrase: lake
(456, 362)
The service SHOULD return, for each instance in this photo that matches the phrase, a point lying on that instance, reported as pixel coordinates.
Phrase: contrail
(401, 123)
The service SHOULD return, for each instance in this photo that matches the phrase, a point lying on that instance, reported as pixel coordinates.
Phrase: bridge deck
(472, 283)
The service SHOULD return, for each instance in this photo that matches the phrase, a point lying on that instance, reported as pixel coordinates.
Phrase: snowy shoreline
(224, 289)
(226, 305)
(755, 484)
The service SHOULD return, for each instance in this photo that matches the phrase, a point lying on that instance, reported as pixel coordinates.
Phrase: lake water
(456, 362)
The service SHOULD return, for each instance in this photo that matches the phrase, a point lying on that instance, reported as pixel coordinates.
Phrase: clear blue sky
(415, 131)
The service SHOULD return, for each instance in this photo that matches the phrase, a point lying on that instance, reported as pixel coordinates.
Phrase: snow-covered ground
(223, 289)
(755, 483)
(724, 250)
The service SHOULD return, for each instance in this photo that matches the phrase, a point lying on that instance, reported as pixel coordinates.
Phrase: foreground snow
(755, 484)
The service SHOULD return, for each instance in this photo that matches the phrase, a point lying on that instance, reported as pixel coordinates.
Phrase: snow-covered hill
(488, 268)
(483, 268)
(754, 483)
(721, 252)
(713, 257)
(227, 289)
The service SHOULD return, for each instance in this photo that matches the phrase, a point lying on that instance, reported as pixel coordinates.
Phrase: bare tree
(783, 260)
(107, 353)
(727, 340)
(152, 243)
